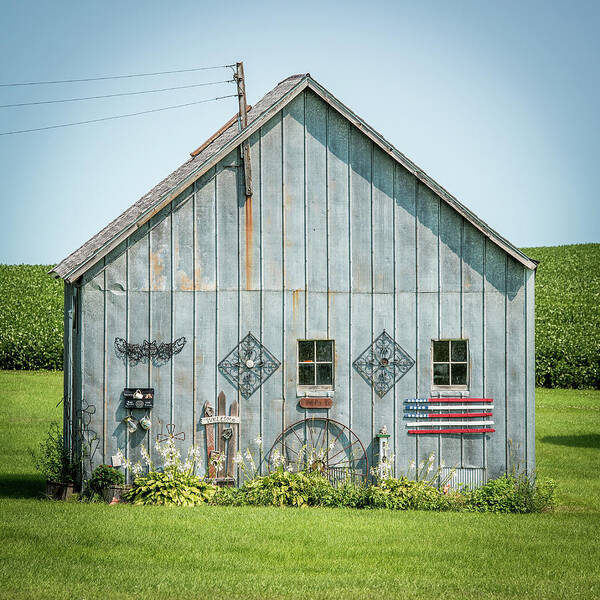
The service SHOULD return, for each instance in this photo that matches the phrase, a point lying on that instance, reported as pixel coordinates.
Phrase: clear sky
(497, 101)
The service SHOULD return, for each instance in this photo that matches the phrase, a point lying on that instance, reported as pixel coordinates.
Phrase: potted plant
(54, 461)
(107, 481)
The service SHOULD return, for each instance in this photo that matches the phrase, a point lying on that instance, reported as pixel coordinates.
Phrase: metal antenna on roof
(243, 121)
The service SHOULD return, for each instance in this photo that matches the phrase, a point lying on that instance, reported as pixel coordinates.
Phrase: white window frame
(461, 387)
(304, 390)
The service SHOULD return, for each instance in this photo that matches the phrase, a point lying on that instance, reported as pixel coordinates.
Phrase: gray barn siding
(338, 241)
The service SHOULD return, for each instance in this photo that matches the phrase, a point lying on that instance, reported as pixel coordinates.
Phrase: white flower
(238, 458)
(290, 468)
(137, 469)
(258, 441)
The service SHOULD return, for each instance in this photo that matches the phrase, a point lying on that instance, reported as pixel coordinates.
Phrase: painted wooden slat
(428, 301)
(442, 407)
(250, 226)
(182, 364)
(516, 365)
(452, 431)
(272, 268)
(92, 300)
(339, 260)
(529, 408)
(383, 276)
(472, 329)
(418, 415)
(361, 416)
(337, 197)
(450, 303)
(495, 354)
(160, 327)
(116, 374)
(438, 423)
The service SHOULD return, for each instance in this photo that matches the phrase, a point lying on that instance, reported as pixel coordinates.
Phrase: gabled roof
(212, 151)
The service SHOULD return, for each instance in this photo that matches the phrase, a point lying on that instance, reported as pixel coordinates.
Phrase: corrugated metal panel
(468, 477)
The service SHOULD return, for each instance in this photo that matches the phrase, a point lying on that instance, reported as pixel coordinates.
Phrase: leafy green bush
(53, 460)
(407, 494)
(567, 320)
(31, 318)
(512, 494)
(284, 488)
(170, 487)
(103, 477)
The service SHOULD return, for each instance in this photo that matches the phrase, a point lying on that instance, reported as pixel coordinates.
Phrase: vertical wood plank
(272, 270)
(495, 354)
(530, 370)
(160, 325)
(183, 319)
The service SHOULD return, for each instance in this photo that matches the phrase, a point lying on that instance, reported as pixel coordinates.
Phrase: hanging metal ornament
(248, 365)
(383, 363)
(171, 435)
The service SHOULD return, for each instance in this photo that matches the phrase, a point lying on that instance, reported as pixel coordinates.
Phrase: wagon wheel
(321, 445)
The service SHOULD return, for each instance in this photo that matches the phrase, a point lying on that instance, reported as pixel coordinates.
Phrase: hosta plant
(176, 483)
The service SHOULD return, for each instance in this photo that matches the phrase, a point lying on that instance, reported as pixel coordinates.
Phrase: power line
(115, 76)
(135, 114)
(180, 87)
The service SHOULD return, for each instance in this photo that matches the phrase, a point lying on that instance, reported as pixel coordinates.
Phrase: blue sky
(498, 102)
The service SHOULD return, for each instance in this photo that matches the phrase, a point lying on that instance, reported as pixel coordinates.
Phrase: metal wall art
(170, 436)
(383, 363)
(248, 365)
(155, 351)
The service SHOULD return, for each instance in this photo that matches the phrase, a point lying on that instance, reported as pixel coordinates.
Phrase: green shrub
(407, 494)
(512, 494)
(31, 318)
(284, 488)
(53, 460)
(170, 487)
(103, 477)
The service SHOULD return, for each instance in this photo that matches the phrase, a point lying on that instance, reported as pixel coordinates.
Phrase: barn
(348, 309)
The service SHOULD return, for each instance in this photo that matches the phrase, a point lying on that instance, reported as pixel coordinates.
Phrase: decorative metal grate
(383, 363)
(248, 365)
(157, 352)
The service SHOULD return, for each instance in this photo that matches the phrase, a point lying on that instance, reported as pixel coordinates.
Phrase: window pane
(441, 351)
(324, 375)
(459, 351)
(306, 351)
(306, 374)
(324, 351)
(441, 374)
(459, 374)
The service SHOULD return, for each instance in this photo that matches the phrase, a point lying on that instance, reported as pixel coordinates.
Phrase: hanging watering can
(145, 423)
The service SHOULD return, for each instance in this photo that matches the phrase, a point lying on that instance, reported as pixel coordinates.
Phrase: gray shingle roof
(99, 245)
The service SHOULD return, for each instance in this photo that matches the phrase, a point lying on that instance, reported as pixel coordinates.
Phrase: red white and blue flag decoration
(449, 415)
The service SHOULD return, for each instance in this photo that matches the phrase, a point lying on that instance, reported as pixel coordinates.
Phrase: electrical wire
(135, 114)
(105, 77)
(180, 87)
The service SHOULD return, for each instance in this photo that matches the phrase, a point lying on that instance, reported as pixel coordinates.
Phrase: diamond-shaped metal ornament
(248, 365)
(383, 363)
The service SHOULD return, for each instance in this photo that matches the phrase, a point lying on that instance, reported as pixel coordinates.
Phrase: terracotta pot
(59, 491)
(113, 494)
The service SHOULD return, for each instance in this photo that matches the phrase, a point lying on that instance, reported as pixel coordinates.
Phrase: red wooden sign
(316, 402)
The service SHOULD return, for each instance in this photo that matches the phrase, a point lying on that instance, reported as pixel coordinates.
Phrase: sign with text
(316, 402)
(220, 419)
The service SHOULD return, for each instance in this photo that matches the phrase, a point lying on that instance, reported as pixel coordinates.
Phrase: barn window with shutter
(450, 364)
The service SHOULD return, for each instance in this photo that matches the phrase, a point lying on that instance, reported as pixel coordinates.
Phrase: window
(315, 363)
(450, 364)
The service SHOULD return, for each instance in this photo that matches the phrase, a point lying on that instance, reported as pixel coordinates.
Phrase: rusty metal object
(316, 402)
(320, 444)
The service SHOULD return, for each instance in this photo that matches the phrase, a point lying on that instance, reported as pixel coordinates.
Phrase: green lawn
(71, 550)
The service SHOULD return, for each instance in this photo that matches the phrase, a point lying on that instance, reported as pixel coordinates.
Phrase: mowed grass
(73, 550)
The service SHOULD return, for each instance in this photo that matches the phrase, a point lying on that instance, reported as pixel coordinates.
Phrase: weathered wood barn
(349, 300)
